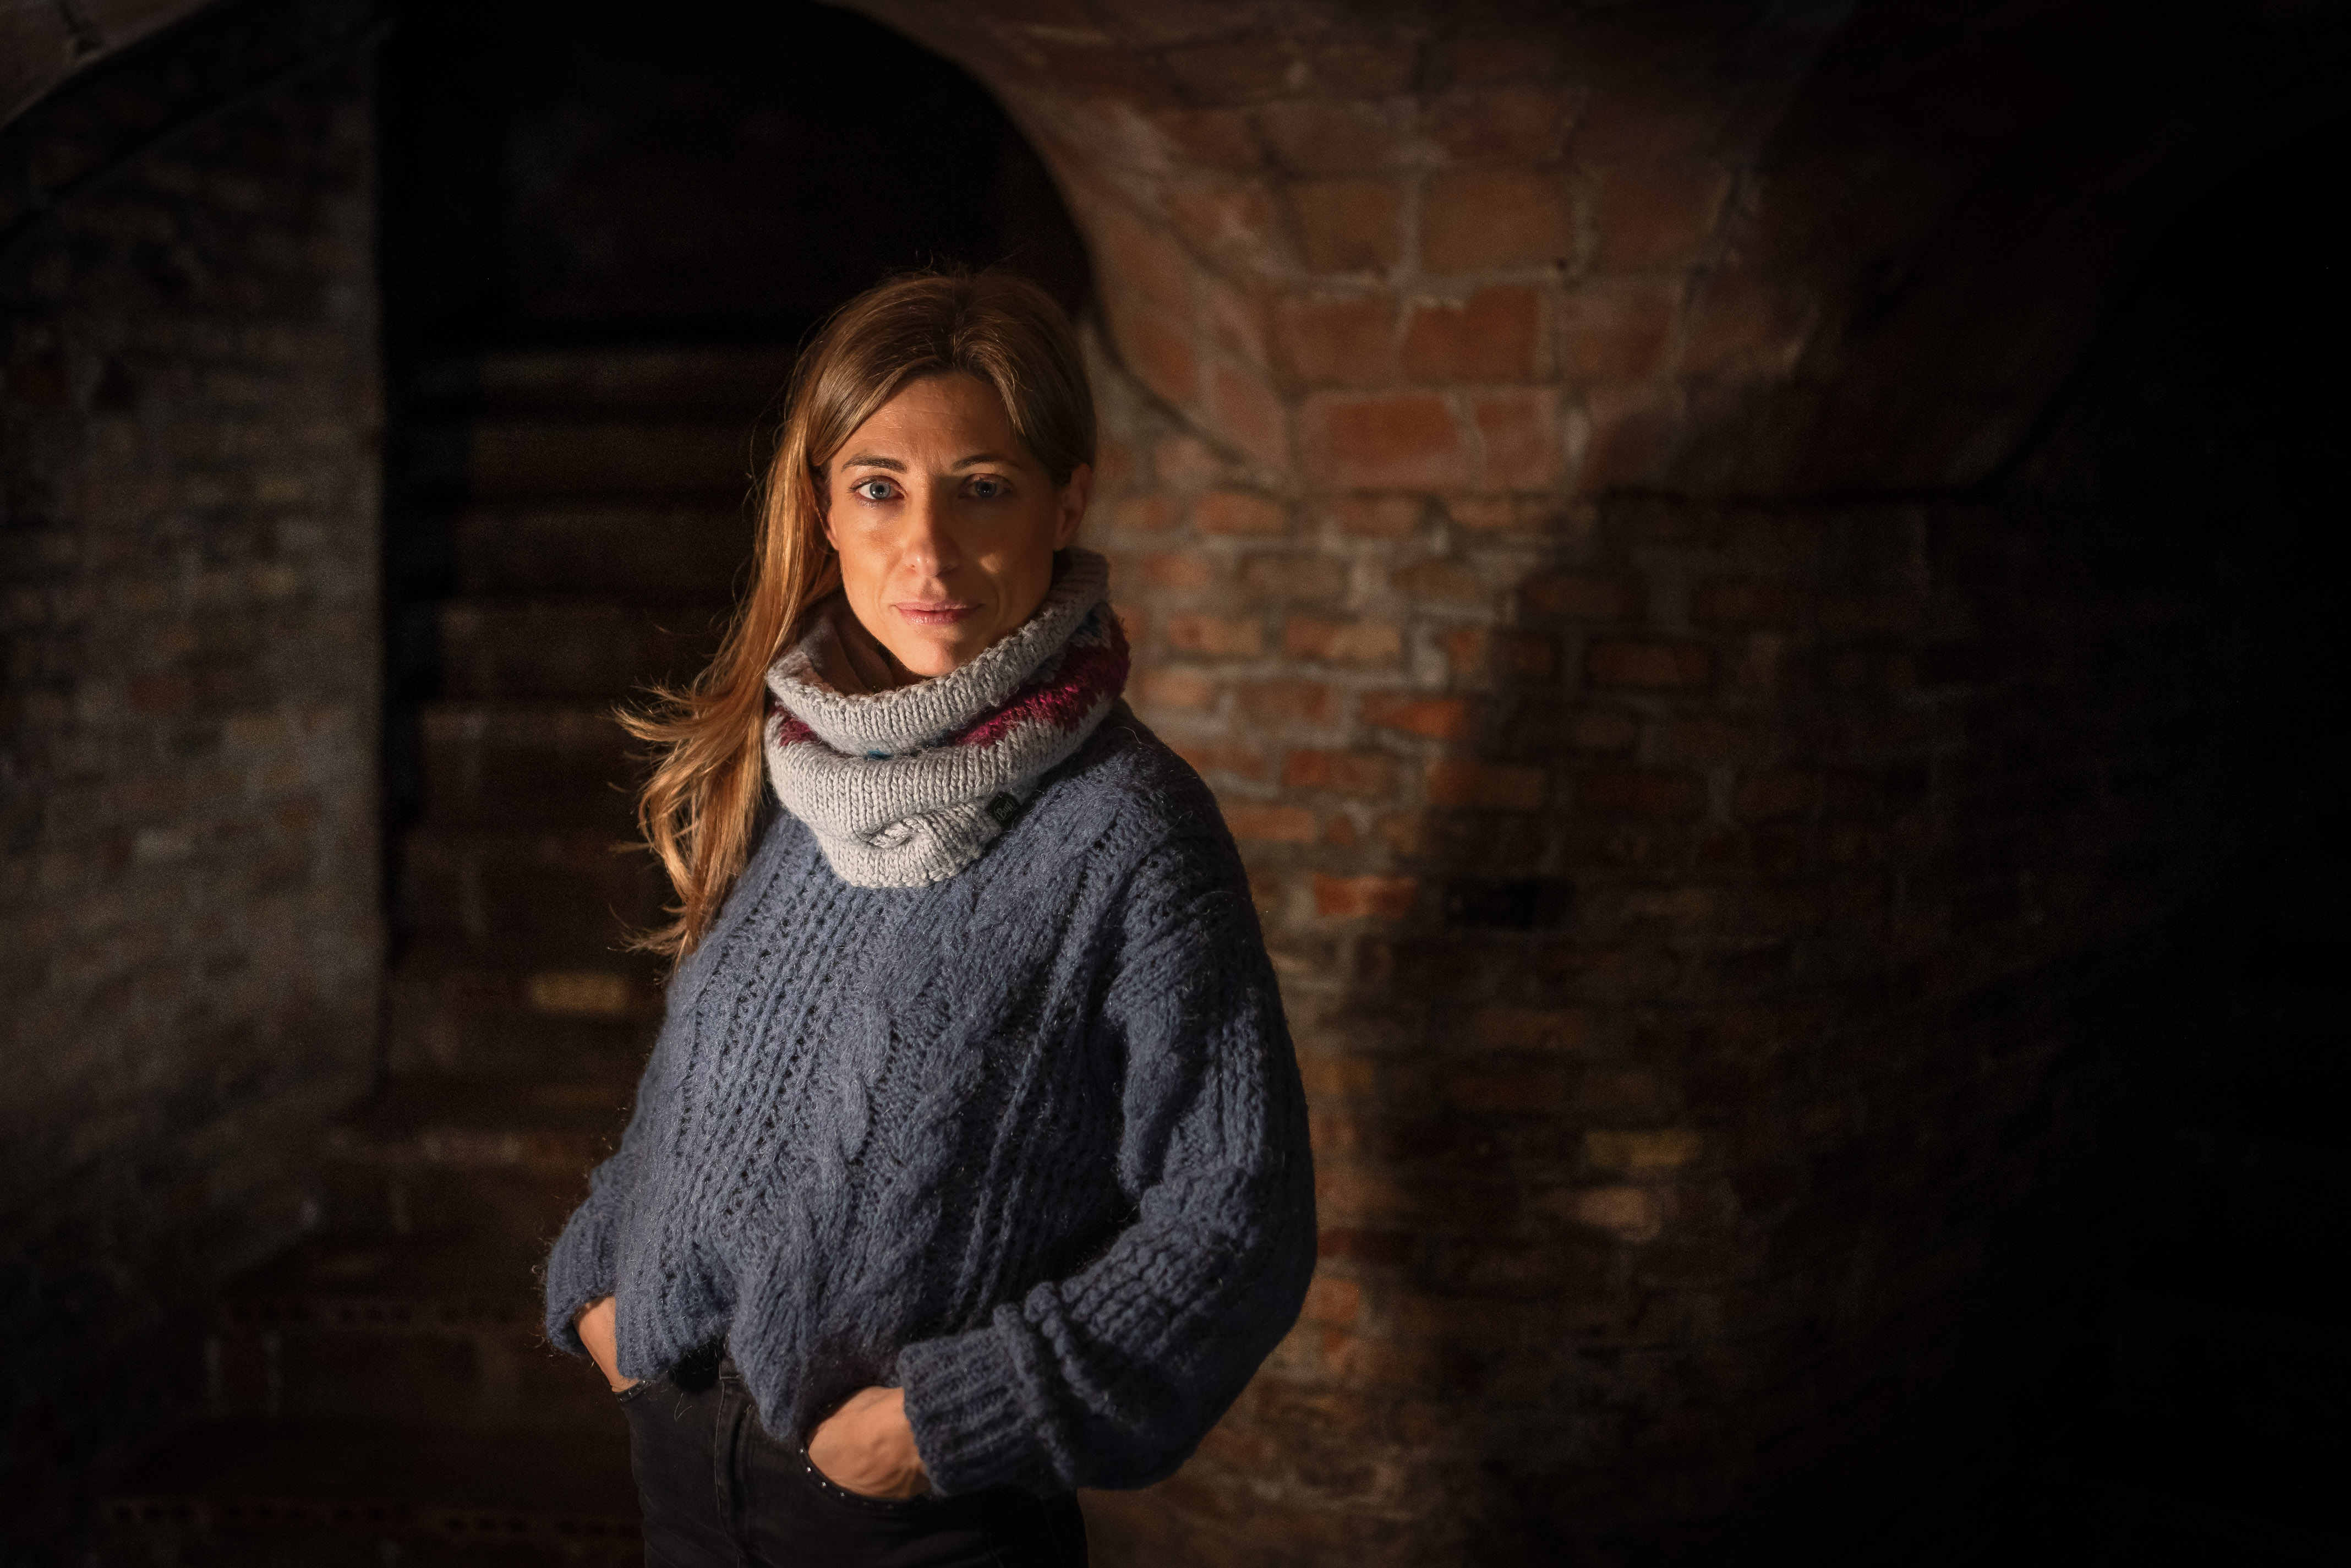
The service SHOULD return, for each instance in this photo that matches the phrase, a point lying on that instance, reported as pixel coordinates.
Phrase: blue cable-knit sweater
(1028, 1142)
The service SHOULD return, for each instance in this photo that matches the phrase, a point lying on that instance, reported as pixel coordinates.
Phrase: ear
(1070, 505)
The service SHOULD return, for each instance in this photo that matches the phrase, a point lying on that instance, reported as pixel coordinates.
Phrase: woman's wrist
(868, 1445)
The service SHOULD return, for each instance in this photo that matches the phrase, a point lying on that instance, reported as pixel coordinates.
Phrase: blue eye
(871, 489)
(987, 489)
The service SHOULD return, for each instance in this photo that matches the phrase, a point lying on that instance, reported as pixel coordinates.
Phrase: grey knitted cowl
(907, 787)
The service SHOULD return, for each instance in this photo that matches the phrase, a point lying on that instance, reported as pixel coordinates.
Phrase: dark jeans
(719, 1492)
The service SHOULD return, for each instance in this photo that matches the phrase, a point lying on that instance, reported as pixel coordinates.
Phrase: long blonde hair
(699, 809)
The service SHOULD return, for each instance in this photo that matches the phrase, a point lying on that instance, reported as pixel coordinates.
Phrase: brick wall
(187, 501)
(1558, 485)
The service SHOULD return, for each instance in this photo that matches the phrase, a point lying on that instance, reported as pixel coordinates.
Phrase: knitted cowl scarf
(904, 788)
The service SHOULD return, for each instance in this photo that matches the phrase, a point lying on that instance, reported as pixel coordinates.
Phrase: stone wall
(188, 425)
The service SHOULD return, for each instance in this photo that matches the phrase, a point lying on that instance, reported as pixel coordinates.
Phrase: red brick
(1438, 718)
(1342, 641)
(1616, 331)
(1385, 1246)
(1336, 342)
(1622, 1093)
(159, 693)
(1467, 650)
(1498, 218)
(1366, 67)
(1645, 126)
(1660, 1148)
(1629, 1213)
(1640, 792)
(1219, 138)
(1648, 216)
(1362, 897)
(1225, 220)
(1494, 785)
(1587, 596)
(1737, 319)
(1338, 1077)
(1495, 337)
(1712, 740)
(1349, 225)
(1145, 514)
(1505, 1090)
(1530, 657)
(1215, 635)
(1483, 514)
(1178, 571)
(1440, 582)
(1657, 666)
(1230, 73)
(1102, 71)
(1185, 460)
(1521, 435)
(1777, 794)
(1113, 465)
(1270, 824)
(1631, 429)
(1208, 757)
(1483, 56)
(1273, 702)
(1150, 266)
(1531, 1028)
(1403, 442)
(1235, 318)
(1238, 512)
(1368, 774)
(1403, 833)
(1251, 413)
(1176, 688)
(1160, 354)
(1614, 972)
(1687, 909)
(1508, 124)
(1378, 517)
(1320, 136)
(1730, 601)
(1294, 580)
(1332, 1299)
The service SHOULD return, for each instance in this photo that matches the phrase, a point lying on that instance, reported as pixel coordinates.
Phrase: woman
(970, 1165)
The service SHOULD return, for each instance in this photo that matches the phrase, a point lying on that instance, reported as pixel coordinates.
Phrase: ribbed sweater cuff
(579, 1271)
(964, 1405)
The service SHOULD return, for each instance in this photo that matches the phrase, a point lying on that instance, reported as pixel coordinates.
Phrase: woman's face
(946, 527)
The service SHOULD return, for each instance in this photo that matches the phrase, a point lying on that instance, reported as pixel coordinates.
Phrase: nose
(931, 547)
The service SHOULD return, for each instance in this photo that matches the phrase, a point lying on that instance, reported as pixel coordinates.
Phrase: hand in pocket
(597, 1332)
(866, 1447)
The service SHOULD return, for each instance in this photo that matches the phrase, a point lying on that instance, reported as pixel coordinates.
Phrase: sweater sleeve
(1112, 1377)
(584, 1263)
(582, 1266)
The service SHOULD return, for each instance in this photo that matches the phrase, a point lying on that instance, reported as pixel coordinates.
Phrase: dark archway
(602, 243)
(558, 173)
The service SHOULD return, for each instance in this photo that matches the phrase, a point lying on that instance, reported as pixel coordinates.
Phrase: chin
(929, 660)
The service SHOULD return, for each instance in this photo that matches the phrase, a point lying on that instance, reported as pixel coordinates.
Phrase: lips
(942, 613)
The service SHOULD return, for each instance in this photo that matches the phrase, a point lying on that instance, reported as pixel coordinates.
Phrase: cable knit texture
(906, 788)
(1027, 1141)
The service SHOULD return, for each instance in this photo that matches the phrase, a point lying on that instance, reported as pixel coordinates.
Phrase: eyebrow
(869, 460)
